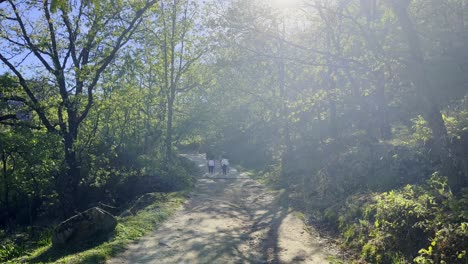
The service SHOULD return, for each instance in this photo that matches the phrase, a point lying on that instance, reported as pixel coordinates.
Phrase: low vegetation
(388, 202)
(424, 223)
(39, 249)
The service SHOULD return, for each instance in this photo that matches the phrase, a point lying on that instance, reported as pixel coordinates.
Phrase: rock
(84, 226)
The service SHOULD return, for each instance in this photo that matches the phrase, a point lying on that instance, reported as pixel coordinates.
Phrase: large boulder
(84, 226)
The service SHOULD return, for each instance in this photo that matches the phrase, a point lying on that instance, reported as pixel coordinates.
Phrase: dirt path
(229, 219)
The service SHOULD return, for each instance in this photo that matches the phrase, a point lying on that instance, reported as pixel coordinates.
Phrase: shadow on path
(228, 219)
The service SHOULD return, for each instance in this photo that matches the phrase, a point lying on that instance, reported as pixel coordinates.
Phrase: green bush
(9, 251)
(450, 245)
(399, 225)
(450, 241)
(425, 223)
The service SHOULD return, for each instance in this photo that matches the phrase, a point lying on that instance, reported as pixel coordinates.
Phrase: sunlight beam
(280, 4)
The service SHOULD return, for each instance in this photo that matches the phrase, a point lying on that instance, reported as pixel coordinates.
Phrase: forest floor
(231, 219)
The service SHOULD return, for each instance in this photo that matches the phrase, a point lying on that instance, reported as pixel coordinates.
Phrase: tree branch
(8, 117)
(25, 35)
(20, 125)
(121, 40)
(35, 103)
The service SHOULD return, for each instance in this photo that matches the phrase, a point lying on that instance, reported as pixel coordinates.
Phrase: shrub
(425, 223)
(449, 246)
(9, 251)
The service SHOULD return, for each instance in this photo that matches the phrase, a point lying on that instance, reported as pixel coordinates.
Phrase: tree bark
(286, 148)
(170, 114)
(173, 85)
(382, 115)
(6, 187)
(68, 185)
(431, 109)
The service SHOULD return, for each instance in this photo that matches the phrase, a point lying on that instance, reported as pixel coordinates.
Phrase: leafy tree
(72, 44)
(172, 45)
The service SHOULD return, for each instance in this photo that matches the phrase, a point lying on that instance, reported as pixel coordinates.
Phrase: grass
(128, 229)
(335, 260)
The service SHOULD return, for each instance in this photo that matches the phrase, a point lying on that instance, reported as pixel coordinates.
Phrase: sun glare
(285, 3)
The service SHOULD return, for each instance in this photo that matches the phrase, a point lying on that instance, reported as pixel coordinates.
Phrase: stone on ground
(83, 227)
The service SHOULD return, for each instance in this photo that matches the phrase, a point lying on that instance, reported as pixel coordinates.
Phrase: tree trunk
(173, 84)
(431, 109)
(333, 129)
(286, 150)
(68, 185)
(6, 187)
(170, 113)
(382, 115)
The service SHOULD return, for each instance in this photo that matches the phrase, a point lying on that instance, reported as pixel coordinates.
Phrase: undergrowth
(128, 229)
(424, 224)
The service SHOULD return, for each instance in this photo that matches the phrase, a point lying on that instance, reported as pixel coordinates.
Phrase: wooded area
(358, 109)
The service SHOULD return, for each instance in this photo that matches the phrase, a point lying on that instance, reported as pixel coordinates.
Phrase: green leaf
(56, 4)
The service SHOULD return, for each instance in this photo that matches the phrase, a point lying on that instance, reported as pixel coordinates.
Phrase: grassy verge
(128, 229)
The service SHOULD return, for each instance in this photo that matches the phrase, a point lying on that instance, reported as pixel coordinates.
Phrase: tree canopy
(358, 109)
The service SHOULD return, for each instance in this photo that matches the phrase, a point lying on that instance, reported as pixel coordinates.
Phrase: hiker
(224, 165)
(211, 165)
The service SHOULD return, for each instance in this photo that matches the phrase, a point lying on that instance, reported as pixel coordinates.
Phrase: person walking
(211, 165)
(224, 165)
